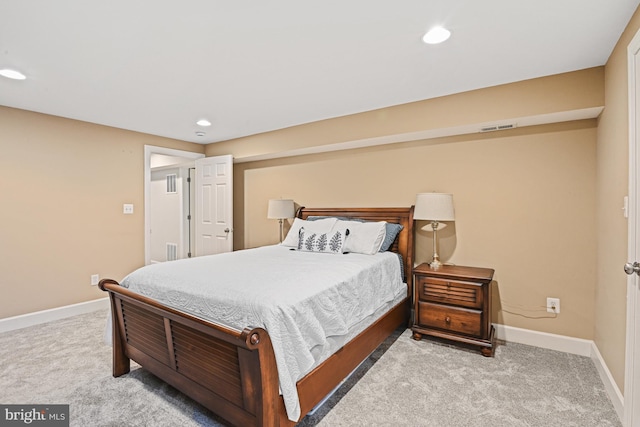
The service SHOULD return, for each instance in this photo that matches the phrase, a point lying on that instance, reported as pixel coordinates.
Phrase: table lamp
(281, 209)
(434, 207)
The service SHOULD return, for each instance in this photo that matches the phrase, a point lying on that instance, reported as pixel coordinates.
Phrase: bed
(233, 371)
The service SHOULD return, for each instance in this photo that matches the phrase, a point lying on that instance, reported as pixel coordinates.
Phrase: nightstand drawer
(465, 294)
(461, 320)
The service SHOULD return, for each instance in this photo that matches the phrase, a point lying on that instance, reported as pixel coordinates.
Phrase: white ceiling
(157, 66)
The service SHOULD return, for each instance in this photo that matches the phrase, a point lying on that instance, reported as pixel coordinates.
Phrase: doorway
(171, 208)
(172, 162)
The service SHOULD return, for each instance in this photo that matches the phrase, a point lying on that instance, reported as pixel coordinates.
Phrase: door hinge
(188, 217)
(188, 179)
(189, 255)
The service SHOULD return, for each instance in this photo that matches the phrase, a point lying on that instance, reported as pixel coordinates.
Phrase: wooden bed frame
(231, 372)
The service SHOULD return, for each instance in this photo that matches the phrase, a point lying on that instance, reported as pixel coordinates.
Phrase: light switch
(127, 209)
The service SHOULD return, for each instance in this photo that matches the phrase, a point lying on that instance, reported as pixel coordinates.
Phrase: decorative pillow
(332, 242)
(364, 237)
(392, 231)
(321, 226)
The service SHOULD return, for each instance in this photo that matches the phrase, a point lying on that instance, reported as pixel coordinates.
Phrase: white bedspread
(306, 301)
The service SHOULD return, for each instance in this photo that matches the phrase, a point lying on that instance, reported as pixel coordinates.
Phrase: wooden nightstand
(454, 303)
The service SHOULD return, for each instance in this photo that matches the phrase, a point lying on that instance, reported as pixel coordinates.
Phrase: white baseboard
(44, 316)
(610, 385)
(571, 345)
(562, 343)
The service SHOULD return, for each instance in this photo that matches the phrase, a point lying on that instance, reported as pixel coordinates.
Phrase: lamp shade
(434, 207)
(280, 209)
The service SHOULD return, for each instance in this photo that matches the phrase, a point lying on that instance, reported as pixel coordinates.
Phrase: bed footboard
(233, 373)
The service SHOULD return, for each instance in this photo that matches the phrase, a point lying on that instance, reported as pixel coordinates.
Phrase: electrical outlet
(553, 305)
(95, 279)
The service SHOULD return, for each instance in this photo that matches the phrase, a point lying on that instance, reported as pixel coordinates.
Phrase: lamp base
(435, 264)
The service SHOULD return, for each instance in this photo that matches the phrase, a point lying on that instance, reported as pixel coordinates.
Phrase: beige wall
(612, 186)
(62, 189)
(525, 198)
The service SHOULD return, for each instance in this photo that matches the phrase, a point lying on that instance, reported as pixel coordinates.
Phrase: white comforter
(306, 301)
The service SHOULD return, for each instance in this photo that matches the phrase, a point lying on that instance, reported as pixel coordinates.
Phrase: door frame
(148, 151)
(632, 352)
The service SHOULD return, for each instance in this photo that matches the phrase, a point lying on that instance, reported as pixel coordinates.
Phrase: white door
(214, 205)
(632, 357)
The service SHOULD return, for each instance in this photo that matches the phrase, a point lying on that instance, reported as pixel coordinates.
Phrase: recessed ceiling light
(436, 35)
(12, 74)
(203, 122)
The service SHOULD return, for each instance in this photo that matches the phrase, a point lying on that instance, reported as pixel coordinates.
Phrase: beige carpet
(430, 384)
(404, 383)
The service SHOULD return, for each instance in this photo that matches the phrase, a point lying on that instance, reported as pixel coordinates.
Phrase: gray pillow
(392, 232)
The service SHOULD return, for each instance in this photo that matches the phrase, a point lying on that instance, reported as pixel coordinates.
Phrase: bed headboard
(403, 216)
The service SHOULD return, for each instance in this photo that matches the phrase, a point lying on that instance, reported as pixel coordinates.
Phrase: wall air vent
(498, 127)
(171, 183)
(172, 251)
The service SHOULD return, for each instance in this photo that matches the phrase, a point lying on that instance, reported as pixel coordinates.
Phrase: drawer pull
(447, 319)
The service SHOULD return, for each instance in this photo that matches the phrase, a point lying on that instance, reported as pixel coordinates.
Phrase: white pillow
(332, 242)
(319, 226)
(364, 237)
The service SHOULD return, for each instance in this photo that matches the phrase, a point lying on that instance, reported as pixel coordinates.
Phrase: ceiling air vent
(498, 127)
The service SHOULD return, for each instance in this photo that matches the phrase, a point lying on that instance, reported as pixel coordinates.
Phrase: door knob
(631, 268)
